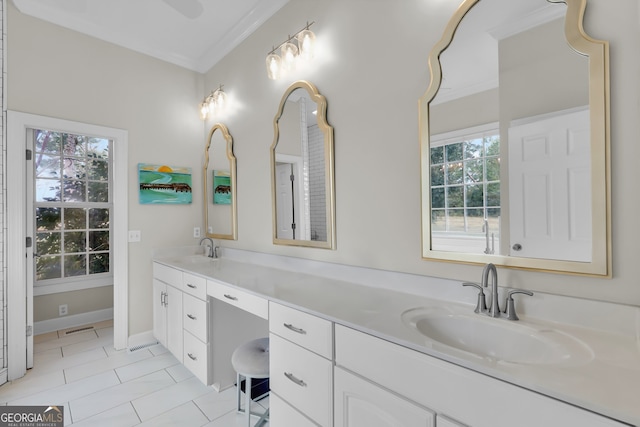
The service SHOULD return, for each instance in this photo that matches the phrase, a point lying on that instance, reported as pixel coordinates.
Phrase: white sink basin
(499, 340)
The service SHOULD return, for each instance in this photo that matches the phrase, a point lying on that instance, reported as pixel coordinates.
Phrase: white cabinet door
(359, 403)
(174, 322)
(282, 414)
(159, 312)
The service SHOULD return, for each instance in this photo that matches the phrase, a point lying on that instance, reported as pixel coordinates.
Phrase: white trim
(466, 133)
(17, 125)
(72, 286)
(66, 322)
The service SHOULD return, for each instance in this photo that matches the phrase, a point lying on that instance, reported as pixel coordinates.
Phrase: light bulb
(204, 110)
(273, 66)
(219, 100)
(289, 52)
(306, 44)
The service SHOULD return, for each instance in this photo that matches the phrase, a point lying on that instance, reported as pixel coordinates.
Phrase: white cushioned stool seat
(252, 358)
(251, 361)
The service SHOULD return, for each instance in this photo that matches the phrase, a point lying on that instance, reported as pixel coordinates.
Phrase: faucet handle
(510, 308)
(481, 305)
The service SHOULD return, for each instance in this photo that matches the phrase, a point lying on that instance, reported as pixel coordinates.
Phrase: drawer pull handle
(293, 378)
(191, 316)
(294, 329)
(191, 286)
(231, 297)
(192, 357)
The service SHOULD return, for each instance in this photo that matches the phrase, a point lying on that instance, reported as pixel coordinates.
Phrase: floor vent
(140, 347)
(74, 331)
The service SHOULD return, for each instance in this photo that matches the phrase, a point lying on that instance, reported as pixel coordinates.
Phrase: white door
(550, 188)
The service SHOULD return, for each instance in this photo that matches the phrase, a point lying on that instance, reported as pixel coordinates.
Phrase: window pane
(74, 191)
(48, 243)
(98, 170)
(98, 218)
(99, 263)
(47, 166)
(75, 241)
(438, 220)
(48, 267)
(454, 152)
(74, 168)
(454, 173)
(98, 240)
(75, 218)
(493, 194)
(48, 219)
(437, 198)
(47, 141)
(437, 155)
(493, 169)
(473, 171)
(455, 197)
(475, 220)
(492, 145)
(437, 175)
(98, 192)
(98, 148)
(475, 196)
(47, 190)
(456, 219)
(75, 265)
(75, 145)
(473, 149)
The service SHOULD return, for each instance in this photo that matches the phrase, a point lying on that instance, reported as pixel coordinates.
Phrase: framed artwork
(162, 184)
(221, 188)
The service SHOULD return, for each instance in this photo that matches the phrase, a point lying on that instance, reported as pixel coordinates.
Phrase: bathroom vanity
(347, 354)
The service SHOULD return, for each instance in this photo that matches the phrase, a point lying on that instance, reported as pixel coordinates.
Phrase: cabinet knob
(191, 286)
(192, 357)
(231, 297)
(294, 329)
(295, 380)
(191, 316)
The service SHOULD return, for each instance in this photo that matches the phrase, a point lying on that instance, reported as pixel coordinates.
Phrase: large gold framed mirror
(302, 170)
(219, 176)
(514, 130)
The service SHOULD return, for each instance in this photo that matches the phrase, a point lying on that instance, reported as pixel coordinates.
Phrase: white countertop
(607, 383)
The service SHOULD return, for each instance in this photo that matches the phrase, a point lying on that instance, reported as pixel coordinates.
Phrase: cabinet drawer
(194, 285)
(167, 275)
(282, 414)
(196, 357)
(304, 329)
(301, 378)
(195, 319)
(238, 298)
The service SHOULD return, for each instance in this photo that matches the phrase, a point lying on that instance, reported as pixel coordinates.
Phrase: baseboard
(71, 321)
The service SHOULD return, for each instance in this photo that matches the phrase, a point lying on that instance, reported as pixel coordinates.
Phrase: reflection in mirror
(302, 170)
(514, 130)
(219, 176)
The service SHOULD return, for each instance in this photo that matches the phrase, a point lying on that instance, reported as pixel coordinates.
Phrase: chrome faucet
(494, 308)
(213, 250)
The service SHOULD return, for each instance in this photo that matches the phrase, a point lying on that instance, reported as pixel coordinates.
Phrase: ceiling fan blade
(189, 8)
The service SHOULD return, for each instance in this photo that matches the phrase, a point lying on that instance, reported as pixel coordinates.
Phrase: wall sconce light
(214, 103)
(299, 47)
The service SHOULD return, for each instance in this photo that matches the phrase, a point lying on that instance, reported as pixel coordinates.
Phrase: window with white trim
(465, 190)
(72, 207)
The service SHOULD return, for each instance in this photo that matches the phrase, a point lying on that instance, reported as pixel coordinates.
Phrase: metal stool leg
(247, 399)
(238, 392)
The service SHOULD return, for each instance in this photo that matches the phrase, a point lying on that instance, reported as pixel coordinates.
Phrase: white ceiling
(194, 34)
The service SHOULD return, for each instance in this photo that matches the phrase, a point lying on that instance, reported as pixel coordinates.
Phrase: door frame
(17, 315)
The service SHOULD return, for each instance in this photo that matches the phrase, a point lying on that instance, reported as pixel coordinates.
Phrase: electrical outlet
(196, 232)
(63, 309)
(134, 235)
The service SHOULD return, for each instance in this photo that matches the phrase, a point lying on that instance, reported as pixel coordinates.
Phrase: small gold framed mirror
(219, 177)
(302, 170)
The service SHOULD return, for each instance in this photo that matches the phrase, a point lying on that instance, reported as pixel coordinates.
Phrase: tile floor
(99, 386)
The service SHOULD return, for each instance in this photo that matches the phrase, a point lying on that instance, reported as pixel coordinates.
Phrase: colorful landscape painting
(221, 188)
(162, 184)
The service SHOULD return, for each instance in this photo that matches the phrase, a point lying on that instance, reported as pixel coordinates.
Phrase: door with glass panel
(70, 211)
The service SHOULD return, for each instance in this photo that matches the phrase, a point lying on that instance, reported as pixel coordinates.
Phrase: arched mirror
(514, 132)
(219, 176)
(302, 170)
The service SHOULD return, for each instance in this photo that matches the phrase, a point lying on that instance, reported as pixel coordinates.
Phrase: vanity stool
(251, 362)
